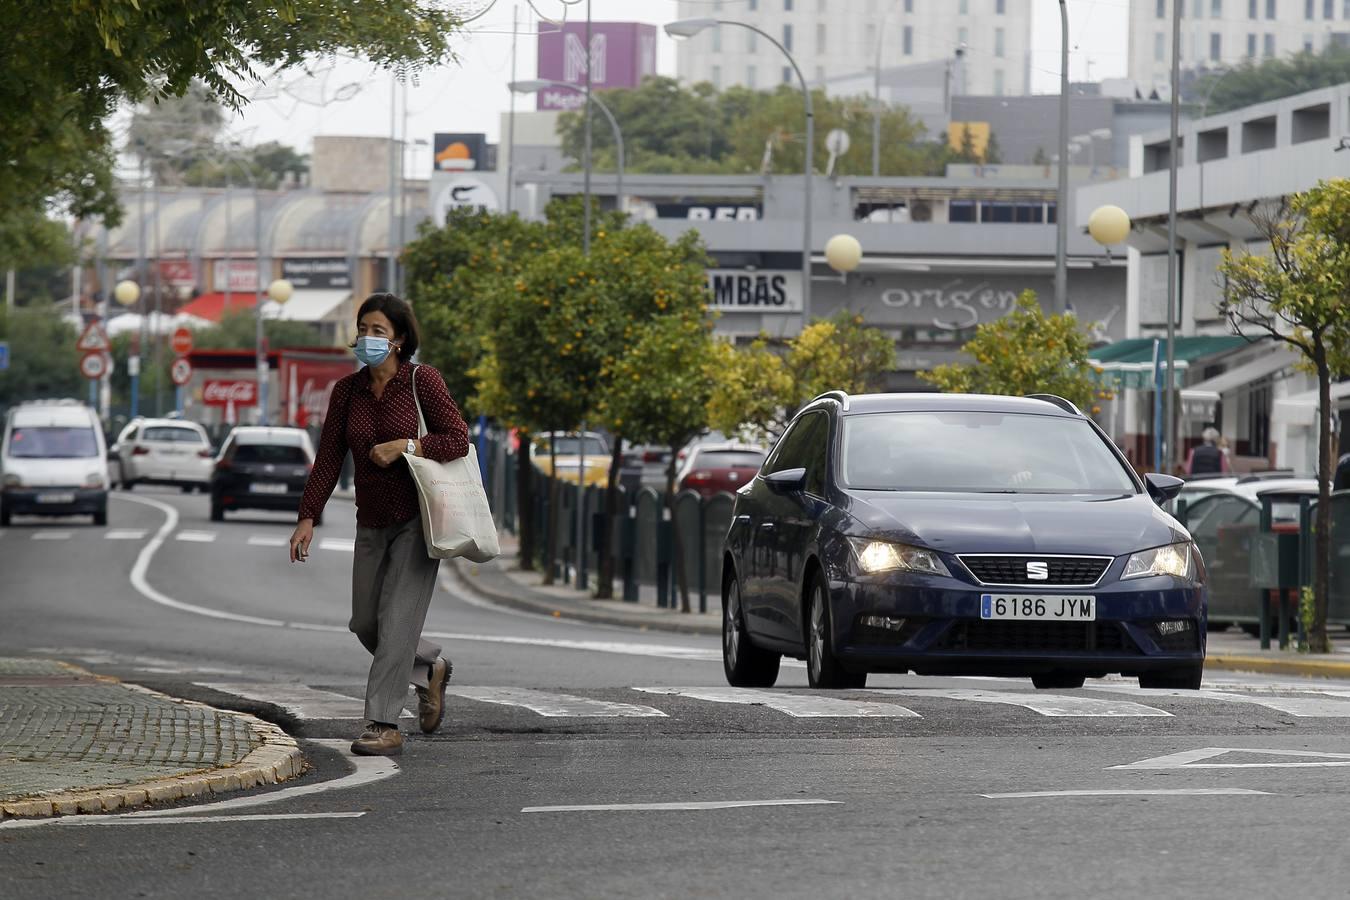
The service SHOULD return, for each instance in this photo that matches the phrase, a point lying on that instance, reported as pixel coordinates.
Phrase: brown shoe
(378, 740)
(431, 699)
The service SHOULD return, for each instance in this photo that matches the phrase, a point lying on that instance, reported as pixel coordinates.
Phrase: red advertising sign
(307, 385)
(178, 272)
(219, 392)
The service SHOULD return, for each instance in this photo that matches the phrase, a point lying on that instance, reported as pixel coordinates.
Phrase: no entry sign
(181, 342)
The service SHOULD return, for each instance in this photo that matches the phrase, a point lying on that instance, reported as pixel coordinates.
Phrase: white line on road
(299, 700)
(1194, 759)
(1301, 707)
(1157, 792)
(801, 706)
(52, 535)
(340, 545)
(664, 807)
(259, 540)
(196, 537)
(555, 705)
(125, 534)
(163, 819)
(1045, 704)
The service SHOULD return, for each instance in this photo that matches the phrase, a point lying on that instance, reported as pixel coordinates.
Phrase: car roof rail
(841, 396)
(1057, 400)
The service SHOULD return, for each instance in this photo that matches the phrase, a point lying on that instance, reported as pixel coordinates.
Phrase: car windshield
(52, 442)
(571, 446)
(978, 452)
(279, 454)
(729, 459)
(170, 434)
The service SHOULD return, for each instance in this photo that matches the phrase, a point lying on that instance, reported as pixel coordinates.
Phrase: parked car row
(54, 461)
(707, 465)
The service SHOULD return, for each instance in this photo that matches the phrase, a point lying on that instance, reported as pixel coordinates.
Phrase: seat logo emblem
(1038, 571)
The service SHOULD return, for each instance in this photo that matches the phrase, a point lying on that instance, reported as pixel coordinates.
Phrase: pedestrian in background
(1207, 459)
(373, 414)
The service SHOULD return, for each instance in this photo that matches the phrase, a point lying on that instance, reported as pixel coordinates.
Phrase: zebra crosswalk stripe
(300, 700)
(340, 545)
(52, 535)
(262, 540)
(799, 706)
(1045, 704)
(196, 537)
(553, 705)
(1331, 707)
(124, 534)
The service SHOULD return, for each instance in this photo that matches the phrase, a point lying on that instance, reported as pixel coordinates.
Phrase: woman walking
(373, 414)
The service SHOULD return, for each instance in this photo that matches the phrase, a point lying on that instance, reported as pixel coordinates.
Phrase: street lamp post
(690, 27)
(1062, 193)
(536, 85)
(1169, 425)
(876, 92)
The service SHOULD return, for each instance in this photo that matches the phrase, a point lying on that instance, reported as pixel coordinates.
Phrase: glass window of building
(750, 78)
(1308, 42)
(1251, 45)
(998, 41)
(963, 7)
(1161, 11)
(1251, 9)
(1270, 9)
(820, 38)
(787, 74)
(787, 37)
(717, 39)
(1159, 46)
(1000, 7)
(1328, 9)
(1199, 9)
(1215, 46)
(787, 5)
(753, 5)
(908, 41)
(962, 36)
(717, 76)
(998, 82)
(1308, 7)
(909, 6)
(1268, 45)
(1216, 9)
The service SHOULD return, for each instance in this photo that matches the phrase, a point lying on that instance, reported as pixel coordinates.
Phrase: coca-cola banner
(307, 384)
(219, 392)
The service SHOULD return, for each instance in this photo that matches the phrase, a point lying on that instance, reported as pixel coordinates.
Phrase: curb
(1307, 667)
(597, 616)
(277, 760)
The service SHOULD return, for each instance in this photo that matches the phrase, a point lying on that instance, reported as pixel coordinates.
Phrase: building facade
(836, 38)
(1230, 166)
(1221, 33)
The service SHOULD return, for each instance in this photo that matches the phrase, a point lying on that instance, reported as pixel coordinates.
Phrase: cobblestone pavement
(63, 729)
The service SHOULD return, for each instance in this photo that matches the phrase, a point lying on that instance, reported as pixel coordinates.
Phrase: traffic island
(75, 742)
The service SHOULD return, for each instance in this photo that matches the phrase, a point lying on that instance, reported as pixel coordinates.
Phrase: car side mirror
(1163, 488)
(786, 481)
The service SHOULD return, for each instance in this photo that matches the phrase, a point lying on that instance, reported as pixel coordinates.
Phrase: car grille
(1064, 571)
(982, 634)
(872, 636)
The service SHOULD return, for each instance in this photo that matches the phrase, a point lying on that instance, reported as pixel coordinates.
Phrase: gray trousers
(392, 583)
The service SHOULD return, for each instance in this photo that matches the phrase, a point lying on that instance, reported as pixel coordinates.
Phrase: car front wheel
(217, 511)
(1049, 680)
(745, 664)
(823, 669)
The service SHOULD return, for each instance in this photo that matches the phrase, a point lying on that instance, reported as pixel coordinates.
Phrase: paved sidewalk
(502, 582)
(71, 741)
(1235, 650)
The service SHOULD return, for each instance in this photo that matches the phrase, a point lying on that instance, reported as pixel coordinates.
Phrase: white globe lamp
(843, 253)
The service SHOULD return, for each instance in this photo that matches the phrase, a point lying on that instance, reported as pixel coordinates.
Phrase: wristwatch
(412, 447)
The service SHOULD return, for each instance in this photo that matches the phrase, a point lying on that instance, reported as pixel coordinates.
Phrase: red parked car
(716, 468)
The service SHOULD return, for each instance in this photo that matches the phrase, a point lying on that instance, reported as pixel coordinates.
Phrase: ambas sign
(757, 291)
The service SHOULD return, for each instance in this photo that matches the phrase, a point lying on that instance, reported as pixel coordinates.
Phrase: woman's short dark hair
(400, 315)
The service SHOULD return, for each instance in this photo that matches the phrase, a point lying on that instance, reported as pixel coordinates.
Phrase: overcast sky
(352, 98)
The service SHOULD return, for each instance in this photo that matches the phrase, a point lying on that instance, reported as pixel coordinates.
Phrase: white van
(53, 462)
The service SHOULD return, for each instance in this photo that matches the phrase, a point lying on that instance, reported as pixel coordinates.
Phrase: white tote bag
(456, 519)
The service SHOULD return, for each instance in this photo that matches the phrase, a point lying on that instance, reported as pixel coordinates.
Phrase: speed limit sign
(181, 372)
(93, 366)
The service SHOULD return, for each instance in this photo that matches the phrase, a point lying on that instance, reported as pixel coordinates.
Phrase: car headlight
(1172, 559)
(93, 480)
(875, 557)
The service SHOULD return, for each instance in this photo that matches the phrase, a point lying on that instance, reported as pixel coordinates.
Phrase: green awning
(1129, 363)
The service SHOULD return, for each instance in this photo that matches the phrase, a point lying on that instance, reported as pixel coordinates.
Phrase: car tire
(4, 516)
(1062, 680)
(1184, 679)
(1216, 627)
(127, 485)
(187, 488)
(217, 511)
(745, 664)
(101, 517)
(823, 669)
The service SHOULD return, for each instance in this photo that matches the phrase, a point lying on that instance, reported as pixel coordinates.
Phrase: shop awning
(1301, 409)
(307, 306)
(212, 307)
(1129, 363)
(1275, 358)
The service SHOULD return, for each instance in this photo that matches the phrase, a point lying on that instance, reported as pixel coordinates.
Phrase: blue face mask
(372, 350)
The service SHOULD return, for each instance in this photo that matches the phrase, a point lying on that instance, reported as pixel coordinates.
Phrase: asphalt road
(929, 787)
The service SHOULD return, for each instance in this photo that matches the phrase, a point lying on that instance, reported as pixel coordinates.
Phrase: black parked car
(261, 468)
(948, 533)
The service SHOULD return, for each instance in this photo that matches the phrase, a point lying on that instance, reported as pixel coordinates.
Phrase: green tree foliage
(758, 391)
(1025, 352)
(1272, 78)
(69, 64)
(699, 130)
(43, 361)
(1300, 295)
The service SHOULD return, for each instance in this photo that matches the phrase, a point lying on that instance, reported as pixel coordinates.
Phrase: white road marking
(176, 820)
(259, 540)
(365, 770)
(664, 807)
(1194, 759)
(1045, 704)
(555, 705)
(52, 535)
(341, 545)
(125, 534)
(800, 706)
(1157, 792)
(663, 651)
(1301, 707)
(196, 537)
(300, 700)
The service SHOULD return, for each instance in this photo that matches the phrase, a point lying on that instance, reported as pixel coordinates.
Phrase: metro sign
(218, 392)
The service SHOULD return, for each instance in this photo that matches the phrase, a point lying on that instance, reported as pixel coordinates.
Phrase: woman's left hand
(384, 455)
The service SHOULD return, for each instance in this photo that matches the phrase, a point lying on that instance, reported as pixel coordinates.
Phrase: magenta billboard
(621, 54)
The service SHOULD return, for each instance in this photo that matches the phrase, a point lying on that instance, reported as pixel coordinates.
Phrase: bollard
(702, 556)
(1265, 619)
(1283, 598)
(628, 554)
(663, 573)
